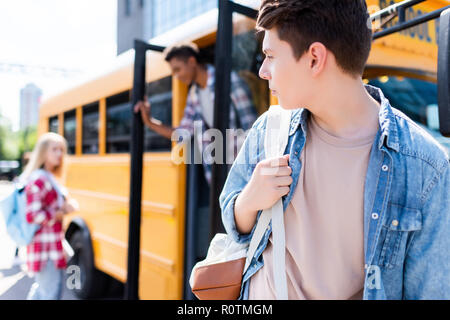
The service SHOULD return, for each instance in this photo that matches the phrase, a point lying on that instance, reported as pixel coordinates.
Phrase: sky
(78, 35)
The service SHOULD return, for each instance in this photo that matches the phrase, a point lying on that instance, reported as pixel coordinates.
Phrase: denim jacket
(406, 205)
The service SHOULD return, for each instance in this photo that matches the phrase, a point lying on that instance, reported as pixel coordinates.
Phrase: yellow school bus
(95, 117)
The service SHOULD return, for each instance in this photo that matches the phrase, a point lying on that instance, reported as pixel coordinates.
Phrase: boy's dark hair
(182, 52)
(340, 25)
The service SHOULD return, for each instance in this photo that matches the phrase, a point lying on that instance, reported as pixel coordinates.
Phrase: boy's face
(183, 70)
(289, 78)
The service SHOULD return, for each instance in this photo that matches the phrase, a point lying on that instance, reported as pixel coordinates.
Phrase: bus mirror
(444, 73)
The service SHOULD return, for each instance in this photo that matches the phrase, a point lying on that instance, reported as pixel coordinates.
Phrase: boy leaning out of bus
(365, 190)
(187, 66)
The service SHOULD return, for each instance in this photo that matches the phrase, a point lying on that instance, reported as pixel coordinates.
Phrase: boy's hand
(144, 108)
(269, 182)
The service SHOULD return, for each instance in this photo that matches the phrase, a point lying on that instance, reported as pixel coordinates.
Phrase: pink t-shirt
(323, 222)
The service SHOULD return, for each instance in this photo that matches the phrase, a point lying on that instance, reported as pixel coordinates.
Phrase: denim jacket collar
(388, 125)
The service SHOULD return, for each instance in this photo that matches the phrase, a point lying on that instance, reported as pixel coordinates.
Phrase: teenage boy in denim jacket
(365, 190)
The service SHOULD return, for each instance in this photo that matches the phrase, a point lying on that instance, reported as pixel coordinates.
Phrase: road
(15, 282)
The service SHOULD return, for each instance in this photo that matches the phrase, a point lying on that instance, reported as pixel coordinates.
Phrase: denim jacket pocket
(396, 233)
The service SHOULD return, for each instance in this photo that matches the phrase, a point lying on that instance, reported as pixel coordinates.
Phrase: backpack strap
(277, 134)
(275, 141)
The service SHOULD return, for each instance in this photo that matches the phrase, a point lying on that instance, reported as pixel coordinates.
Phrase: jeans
(48, 283)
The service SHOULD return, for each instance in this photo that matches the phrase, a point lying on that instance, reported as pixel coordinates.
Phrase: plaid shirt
(42, 203)
(241, 103)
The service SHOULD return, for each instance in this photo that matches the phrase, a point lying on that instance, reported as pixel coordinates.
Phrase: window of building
(70, 126)
(53, 124)
(160, 98)
(118, 123)
(127, 7)
(168, 14)
(90, 128)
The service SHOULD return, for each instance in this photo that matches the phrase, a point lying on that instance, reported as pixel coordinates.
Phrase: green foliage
(14, 144)
(27, 139)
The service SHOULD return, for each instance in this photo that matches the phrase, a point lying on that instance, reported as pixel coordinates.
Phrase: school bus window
(160, 98)
(70, 125)
(118, 123)
(53, 124)
(90, 128)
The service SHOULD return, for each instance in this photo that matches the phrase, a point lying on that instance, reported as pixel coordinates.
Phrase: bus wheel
(93, 283)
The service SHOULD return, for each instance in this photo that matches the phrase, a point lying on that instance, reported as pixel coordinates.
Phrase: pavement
(15, 281)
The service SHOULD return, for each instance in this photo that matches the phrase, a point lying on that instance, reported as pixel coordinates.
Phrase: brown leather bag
(220, 281)
(219, 276)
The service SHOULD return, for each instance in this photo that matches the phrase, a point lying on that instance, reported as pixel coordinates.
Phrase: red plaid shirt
(42, 204)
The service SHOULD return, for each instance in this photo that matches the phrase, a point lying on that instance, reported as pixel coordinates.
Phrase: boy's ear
(191, 61)
(317, 58)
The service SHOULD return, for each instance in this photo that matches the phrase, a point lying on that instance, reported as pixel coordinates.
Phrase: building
(30, 97)
(145, 19)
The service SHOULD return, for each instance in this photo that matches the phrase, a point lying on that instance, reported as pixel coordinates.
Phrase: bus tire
(93, 283)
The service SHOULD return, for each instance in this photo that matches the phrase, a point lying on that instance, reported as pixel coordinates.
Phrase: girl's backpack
(13, 210)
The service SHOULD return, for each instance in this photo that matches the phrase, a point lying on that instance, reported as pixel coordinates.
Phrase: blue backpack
(13, 209)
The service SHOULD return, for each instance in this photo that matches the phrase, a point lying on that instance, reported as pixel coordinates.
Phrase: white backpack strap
(277, 131)
(277, 134)
(275, 141)
(258, 234)
(279, 251)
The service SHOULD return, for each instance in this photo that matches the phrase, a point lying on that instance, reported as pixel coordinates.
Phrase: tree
(8, 141)
(14, 144)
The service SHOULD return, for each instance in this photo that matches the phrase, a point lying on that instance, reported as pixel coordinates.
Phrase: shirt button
(375, 215)
(394, 223)
(385, 168)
